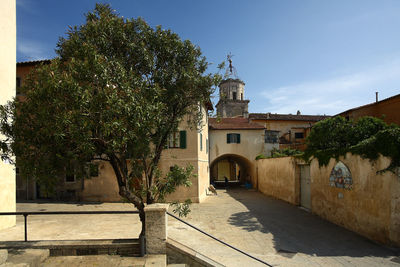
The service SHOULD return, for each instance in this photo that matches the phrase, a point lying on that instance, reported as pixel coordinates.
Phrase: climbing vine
(278, 153)
(368, 137)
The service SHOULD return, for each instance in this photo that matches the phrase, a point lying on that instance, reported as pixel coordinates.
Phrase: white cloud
(336, 94)
(31, 50)
(26, 5)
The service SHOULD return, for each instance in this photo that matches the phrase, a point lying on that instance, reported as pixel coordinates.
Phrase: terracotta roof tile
(286, 117)
(234, 124)
(34, 62)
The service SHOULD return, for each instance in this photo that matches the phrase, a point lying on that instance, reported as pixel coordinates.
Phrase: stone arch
(235, 167)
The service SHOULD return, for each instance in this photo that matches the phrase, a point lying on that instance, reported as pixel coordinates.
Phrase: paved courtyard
(272, 230)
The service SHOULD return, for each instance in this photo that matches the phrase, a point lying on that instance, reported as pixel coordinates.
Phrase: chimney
(376, 97)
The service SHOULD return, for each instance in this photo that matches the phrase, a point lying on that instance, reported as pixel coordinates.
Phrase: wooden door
(305, 188)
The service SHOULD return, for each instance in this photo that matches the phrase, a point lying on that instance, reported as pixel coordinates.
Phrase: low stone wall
(278, 177)
(371, 204)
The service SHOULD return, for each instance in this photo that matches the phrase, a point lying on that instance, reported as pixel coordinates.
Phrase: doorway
(305, 187)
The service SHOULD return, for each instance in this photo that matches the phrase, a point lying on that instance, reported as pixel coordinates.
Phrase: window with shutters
(177, 140)
(271, 136)
(70, 174)
(233, 138)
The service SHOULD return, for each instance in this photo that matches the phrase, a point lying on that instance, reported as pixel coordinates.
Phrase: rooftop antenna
(231, 70)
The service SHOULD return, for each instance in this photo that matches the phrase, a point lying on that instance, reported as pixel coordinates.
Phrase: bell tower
(231, 94)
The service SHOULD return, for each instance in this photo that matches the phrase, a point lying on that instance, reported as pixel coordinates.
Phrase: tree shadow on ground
(297, 231)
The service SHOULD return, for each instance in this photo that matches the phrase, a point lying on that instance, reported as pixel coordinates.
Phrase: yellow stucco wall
(7, 89)
(277, 177)
(371, 208)
(191, 155)
(251, 145)
(105, 187)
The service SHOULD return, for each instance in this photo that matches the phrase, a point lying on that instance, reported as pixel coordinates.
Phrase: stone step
(3, 256)
(122, 247)
(106, 260)
(26, 257)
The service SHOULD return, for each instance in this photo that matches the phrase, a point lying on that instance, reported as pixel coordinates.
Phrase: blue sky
(319, 57)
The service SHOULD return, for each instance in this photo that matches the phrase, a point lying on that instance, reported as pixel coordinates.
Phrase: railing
(25, 214)
(220, 241)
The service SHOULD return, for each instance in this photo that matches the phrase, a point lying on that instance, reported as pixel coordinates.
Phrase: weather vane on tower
(231, 71)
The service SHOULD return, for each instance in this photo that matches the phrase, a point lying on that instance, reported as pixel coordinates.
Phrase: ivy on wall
(278, 153)
(368, 137)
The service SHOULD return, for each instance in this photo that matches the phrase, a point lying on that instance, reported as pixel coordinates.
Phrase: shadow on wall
(297, 231)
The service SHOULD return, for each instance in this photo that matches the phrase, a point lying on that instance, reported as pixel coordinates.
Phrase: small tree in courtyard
(115, 93)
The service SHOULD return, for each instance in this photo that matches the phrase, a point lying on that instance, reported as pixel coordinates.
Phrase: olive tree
(116, 91)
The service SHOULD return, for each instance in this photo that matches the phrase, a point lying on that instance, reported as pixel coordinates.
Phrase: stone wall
(371, 207)
(279, 178)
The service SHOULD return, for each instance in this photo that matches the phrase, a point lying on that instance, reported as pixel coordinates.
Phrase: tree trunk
(123, 192)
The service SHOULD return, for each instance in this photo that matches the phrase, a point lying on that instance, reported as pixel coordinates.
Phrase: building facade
(387, 109)
(287, 130)
(7, 87)
(188, 146)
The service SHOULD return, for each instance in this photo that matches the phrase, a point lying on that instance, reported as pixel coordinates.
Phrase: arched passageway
(235, 168)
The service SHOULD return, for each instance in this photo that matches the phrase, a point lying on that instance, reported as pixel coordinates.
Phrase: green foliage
(278, 153)
(182, 209)
(261, 156)
(116, 91)
(368, 137)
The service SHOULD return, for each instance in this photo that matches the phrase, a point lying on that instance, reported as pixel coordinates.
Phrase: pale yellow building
(7, 86)
(235, 144)
(189, 146)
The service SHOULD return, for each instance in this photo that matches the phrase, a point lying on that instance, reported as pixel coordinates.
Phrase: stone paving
(274, 231)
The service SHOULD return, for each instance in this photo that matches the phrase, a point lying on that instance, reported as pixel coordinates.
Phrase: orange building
(23, 69)
(387, 109)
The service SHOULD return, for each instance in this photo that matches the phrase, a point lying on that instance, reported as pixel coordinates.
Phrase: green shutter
(182, 139)
(228, 138)
(201, 142)
(238, 138)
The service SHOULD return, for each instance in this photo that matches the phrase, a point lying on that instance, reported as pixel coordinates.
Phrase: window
(201, 142)
(177, 140)
(299, 135)
(93, 170)
(234, 95)
(18, 85)
(241, 96)
(233, 138)
(70, 174)
(271, 137)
